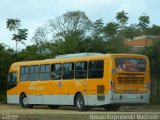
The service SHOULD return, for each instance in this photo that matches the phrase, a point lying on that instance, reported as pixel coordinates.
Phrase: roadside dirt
(68, 113)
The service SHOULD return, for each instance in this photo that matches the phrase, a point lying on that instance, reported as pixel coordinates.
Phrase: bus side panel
(13, 95)
(34, 99)
(51, 92)
(58, 99)
(13, 99)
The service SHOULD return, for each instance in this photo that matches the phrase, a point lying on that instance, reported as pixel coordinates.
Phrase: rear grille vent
(131, 80)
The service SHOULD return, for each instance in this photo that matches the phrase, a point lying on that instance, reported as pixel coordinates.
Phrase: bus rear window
(130, 64)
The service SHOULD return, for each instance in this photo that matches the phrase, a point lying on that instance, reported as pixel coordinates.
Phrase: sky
(36, 13)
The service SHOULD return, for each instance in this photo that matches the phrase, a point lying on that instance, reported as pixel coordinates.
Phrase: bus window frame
(96, 69)
(122, 70)
(23, 74)
(81, 70)
(73, 63)
(49, 72)
(34, 72)
(61, 66)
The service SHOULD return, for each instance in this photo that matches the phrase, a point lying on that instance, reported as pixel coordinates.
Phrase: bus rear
(130, 79)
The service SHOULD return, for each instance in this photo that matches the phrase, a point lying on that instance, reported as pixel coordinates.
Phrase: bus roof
(72, 57)
(77, 55)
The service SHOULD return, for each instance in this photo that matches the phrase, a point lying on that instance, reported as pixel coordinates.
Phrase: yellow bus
(82, 80)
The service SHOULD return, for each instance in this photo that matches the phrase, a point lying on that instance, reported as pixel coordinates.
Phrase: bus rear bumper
(115, 98)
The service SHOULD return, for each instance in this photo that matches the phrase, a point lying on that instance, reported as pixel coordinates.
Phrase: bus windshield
(130, 64)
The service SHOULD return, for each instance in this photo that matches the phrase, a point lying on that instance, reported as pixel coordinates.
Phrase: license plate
(131, 97)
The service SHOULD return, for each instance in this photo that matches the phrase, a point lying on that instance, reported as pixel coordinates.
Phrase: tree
(131, 31)
(19, 34)
(114, 33)
(97, 44)
(40, 35)
(144, 22)
(153, 53)
(70, 45)
(69, 22)
(68, 30)
(7, 58)
(13, 24)
(154, 30)
(110, 30)
(32, 52)
(122, 18)
(97, 27)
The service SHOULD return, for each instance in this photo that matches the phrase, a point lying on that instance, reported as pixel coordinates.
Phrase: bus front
(130, 79)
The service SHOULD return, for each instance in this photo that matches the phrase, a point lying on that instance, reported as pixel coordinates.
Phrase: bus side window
(45, 72)
(24, 73)
(34, 70)
(12, 80)
(80, 70)
(15, 77)
(56, 71)
(68, 70)
(12, 77)
(95, 69)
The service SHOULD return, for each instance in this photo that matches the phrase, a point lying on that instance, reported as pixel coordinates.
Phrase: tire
(24, 102)
(112, 107)
(79, 103)
(53, 106)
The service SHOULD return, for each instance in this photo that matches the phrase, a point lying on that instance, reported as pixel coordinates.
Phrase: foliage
(97, 27)
(13, 24)
(131, 31)
(144, 22)
(111, 29)
(7, 57)
(19, 34)
(153, 30)
(74, 32)
(153, 53)
(3, 98)
(40, 35)
(69, 23)
(122, 18)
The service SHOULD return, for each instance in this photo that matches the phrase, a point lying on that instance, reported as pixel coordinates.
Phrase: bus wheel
(79, 103)
(112, 107)
(53, 106)
(24, 102)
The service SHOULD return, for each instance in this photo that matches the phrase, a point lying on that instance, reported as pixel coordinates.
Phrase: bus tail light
(111, 85)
